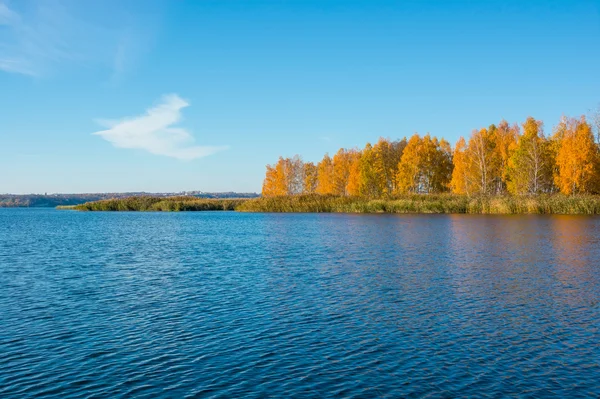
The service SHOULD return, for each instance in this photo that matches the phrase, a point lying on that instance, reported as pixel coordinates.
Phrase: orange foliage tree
(577, 159)
(425, 166)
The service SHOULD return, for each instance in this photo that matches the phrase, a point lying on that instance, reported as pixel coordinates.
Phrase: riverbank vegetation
(429, 203)
(409, 203)
(498, 161)
(166, 204)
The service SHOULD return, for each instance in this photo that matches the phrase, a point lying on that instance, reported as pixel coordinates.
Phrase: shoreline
(554, 204)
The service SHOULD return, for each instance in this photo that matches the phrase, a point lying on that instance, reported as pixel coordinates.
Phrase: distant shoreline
(55, 200)
(314, 203)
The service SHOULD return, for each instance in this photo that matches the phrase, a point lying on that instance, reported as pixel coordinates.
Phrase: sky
(169, 96)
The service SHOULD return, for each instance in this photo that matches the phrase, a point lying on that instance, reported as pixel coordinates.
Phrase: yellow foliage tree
(425, 166)
(354, 178)
(386, 157)
(460, 183)
(274, 183)
(326, 181)
(310, 178)
(484, 162)
(342, 163)
(506, 140)
(530, 167)
(368, 179)
(577, 159)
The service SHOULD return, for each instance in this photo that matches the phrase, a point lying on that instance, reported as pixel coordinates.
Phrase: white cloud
(154, 132)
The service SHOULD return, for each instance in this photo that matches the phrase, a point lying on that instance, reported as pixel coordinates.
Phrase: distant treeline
(168, 204)
(54, 200)
(42, 201)
(495, 161)
(429, 203)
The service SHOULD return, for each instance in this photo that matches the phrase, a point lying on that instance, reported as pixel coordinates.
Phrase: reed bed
(65, 207)
(431, 203)
(314, 203)
(161, 204)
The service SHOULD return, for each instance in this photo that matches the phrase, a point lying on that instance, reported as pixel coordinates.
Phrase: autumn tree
(442, 165)
(294, 175)
(286, 177)
(386, 157)
(461, 174)
(325, 182)
(530, 167)
(578, 159)
(482, 155)
(367, 174)
(425, 166)
(342, 164)
(505, 137)
(274, 183)
(310, 178)
(354, 179)
(554, 144)
(478, 163)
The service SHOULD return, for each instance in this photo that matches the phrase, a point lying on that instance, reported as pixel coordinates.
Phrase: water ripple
(221, 305)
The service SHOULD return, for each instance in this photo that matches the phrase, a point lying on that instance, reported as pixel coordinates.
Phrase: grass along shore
(418, 203)
(438, 203)
(164, 204)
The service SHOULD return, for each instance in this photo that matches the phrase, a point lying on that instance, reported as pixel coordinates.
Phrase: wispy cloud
(154, 132)
(7, 16)
(36, 37)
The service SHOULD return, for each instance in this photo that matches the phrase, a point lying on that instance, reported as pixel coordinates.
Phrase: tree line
(497, 160)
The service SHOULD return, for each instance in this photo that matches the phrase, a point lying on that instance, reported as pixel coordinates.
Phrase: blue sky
(199, 95)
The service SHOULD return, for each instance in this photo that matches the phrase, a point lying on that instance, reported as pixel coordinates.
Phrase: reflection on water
(308, 305)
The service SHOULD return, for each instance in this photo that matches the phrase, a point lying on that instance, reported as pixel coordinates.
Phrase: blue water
(207, 305)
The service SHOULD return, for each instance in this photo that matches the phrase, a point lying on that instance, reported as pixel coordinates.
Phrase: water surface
(175, 305)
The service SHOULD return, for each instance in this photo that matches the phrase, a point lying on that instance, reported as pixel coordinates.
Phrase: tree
(481, 153)
(409, 167)
(505, 142)
(386, 157)
(274, 183)
(478, 163)
(310, 178)
(354, 179)
(425, 166)
(578, 159)
(294, 175)
(442, 165)
(286, 177)
(530, 169)
(554, 144)
(460, 183)
(342, 162)
(325, 183)
(368, 178)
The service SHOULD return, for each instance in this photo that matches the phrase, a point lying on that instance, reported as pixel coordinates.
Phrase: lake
(224, 305)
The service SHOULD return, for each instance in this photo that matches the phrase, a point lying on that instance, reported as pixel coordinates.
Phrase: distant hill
(53, 200)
